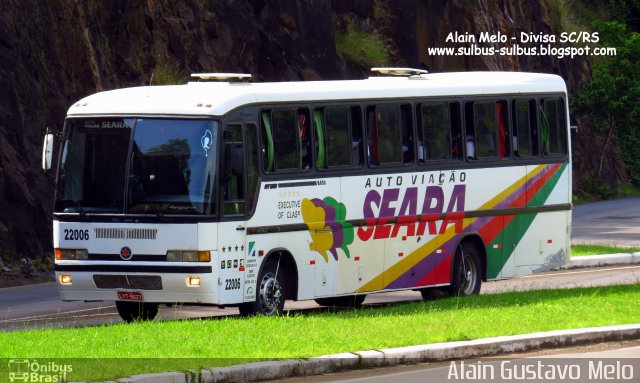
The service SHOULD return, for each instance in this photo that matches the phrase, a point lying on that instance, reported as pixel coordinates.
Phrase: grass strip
(581, 250)
(187, 344)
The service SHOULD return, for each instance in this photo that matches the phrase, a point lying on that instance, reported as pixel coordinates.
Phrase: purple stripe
(432, 260)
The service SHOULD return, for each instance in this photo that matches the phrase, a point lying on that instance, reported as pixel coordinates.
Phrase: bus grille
(124, 233)
(138, 282)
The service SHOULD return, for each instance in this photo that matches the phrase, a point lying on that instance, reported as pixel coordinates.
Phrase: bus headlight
(188, 256)
(65, 279)
(71, 254)
(193, 281)
(174, 256)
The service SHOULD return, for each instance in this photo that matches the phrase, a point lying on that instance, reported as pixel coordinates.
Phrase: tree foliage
(612, 98)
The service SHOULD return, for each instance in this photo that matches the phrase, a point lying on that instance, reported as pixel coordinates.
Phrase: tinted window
(173, 166)
(389, 134)
(93, 166)
(286, 141)
(553, 126)
(439, 132)
(252, 163)
(488, 138)
(338, 136)
(524, 128)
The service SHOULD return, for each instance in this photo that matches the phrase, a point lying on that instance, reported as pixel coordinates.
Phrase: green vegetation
(610, 100)
(362, 47)
(165, 74)
(580, 250)
(607, 102)
(235, 340)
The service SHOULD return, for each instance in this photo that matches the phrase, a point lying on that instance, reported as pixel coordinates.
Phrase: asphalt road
(615, 222)
(627, 354)
(39, 306)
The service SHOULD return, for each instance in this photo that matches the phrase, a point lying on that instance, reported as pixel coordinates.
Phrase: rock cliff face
(55, 52)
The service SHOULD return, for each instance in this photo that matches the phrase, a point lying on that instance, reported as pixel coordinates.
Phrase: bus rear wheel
(131, 311)
(466, 276)
(345, 301)
(270, 296)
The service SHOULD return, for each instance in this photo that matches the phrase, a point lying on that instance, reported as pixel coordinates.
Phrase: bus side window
(321, 146)
(407, 133)
(523, 128)
(490, 123)
(372, 137)
(287, 144)
(470, 134)
(338, 136)
(233, 171)
(553, 126)
(456, 134)
(503, 129)
(389, 134)
(251, 134)
(484, 121)
(434, 142)
(357, 143)
(304, 138)
(267, 142)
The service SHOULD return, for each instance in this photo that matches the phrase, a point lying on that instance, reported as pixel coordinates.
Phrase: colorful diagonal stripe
(430, 263)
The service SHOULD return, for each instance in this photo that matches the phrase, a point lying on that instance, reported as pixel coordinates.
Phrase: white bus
(230, 193)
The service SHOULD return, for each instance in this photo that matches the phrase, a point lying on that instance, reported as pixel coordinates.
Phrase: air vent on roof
(404, 72)
(230, 77)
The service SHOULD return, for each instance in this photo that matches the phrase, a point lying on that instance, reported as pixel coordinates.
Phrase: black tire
(345, 301)
(131, 311)
(270, 296)
(432, 293)
(466, 275)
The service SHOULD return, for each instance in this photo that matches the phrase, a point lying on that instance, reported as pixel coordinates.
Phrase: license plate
(129, 296)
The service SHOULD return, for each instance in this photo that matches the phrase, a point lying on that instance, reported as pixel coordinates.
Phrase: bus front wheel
(130, 311)
(270, 296)
(465, 277)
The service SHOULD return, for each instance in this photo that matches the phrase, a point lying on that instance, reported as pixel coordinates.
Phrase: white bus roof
(218, 98)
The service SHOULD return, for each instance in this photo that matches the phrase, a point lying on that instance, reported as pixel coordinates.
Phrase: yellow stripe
(397, 270)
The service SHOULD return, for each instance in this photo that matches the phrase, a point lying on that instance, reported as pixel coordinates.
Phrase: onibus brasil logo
(326, 220)
(31, 371)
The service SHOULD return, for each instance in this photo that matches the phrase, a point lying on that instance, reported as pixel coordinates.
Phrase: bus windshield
(137, 166)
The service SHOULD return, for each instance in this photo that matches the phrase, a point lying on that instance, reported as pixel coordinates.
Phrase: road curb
(602, 260)
(251, 372)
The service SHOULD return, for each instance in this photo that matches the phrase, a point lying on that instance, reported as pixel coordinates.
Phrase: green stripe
(512, 234)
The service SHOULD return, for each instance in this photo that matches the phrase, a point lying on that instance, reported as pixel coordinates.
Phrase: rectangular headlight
(190, 256)
(82, 254)
(174, 256)
(71, 254)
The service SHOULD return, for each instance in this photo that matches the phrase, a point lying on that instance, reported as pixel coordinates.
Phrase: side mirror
(47, 151)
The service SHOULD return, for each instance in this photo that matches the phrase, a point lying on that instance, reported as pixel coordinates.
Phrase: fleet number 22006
(76, 235)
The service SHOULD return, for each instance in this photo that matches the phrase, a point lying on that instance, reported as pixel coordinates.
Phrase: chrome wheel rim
(270, 294)
(468, 275)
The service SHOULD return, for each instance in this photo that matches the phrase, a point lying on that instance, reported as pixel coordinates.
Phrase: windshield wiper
(147, 199)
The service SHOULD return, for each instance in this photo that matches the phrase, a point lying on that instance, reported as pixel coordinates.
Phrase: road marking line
(577, 272)
(35, 317)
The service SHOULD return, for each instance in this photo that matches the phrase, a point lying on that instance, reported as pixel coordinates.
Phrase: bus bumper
(82, 282)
